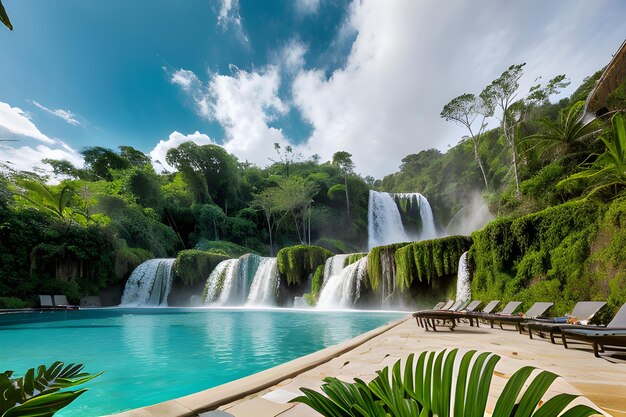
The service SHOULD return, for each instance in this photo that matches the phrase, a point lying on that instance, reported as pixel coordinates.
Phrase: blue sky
(369, 77)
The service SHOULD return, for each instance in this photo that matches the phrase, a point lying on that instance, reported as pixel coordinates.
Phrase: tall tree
(100, 161)
(465, 110)
(502, 93)
(210, 171)
(343, 161)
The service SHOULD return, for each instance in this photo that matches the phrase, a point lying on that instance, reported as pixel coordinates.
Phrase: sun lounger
(614, 334)
(536, 310)
(45, 301)
(443, 306)
(448, 318)
(485, 316)
(61, 303)
(583, 310)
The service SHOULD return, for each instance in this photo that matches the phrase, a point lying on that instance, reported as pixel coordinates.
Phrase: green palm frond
(426, 387)
(38, 393)
(609, 169)
(4, 18)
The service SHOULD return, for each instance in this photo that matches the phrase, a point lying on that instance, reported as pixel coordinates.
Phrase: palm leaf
(4, 18)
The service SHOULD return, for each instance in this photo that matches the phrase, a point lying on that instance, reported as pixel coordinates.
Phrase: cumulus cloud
(66, 115)
(15, 123)
(291, 57)
(228, 17)
(159, 153)
(16, 126)
(245, 104)
(410, 58)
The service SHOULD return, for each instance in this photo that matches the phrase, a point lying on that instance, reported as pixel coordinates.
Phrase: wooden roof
(612, 77)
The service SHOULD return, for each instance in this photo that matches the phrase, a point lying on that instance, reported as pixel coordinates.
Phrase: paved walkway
(603, 380)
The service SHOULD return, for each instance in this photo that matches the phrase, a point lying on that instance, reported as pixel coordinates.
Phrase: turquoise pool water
(153, 355)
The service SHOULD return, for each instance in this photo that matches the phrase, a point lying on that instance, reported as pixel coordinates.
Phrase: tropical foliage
(436, 385)
(40, 392)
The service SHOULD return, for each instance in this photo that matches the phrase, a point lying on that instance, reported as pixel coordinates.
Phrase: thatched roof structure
(612, 77)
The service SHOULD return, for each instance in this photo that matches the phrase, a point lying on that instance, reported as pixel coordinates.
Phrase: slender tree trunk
(480, 163)
(295, 220)
(345, 181)
(269, 229)
(510, 138)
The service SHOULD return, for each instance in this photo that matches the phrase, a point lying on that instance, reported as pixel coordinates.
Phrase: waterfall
(463, 289)
(249, 280)
(265, 283)
(333, 266)
(220, 282)
(428, 221)
(149, 284)
(384, 221)
(386, 224)
(343, 289)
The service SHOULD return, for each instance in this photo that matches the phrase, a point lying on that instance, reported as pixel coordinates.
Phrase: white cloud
(184, 79)
(28, 158)
(228, 16)
(14, 122)
(244, 104)
(307, 6)
(15, 125)
(291, 57)
(66, 115)
(410, 58)
(175, 139)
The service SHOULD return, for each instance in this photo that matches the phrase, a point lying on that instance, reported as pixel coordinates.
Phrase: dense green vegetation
(101, 220)
(195, 265)
(531, 161)
(428, 260)
(296, 263)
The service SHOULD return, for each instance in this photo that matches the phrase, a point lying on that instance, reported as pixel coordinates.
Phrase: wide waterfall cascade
(265, 283)
(249, 280)
(385, 225)
(342, 290)
(149, 284)
(463, 289)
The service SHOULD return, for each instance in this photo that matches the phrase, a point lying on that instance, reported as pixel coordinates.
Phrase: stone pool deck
(602, 380)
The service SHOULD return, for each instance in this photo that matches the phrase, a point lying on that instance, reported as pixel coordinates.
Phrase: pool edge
(212, 398)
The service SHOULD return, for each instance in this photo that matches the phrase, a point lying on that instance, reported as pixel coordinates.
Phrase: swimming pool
(153, 355)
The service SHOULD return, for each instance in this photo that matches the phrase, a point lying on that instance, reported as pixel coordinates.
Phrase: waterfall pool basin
(152, 355)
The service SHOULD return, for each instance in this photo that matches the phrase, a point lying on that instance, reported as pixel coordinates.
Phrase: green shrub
(296, 263)
(12, 303)
(194, 265)
(229, 249)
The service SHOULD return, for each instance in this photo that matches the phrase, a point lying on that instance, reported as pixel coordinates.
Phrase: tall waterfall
(342, 289)
(385, 222)
(149, 284)
(250, 280)
(463, 289)
(265, 284)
